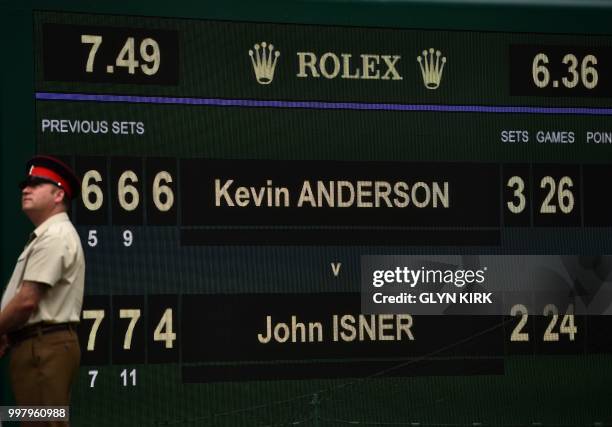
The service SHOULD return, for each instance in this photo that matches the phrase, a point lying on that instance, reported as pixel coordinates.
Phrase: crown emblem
(264, 62)
(431, 67)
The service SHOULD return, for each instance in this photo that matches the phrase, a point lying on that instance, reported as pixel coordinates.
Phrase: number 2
(517, 335)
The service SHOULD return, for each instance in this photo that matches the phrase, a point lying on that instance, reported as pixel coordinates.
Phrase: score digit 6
(93, 209)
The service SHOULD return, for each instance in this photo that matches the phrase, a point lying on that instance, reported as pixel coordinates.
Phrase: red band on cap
(49, 174)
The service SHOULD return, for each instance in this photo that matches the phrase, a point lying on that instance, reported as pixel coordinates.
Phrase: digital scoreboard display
(328, 225)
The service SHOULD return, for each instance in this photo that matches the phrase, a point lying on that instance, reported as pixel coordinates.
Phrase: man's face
(40, 197)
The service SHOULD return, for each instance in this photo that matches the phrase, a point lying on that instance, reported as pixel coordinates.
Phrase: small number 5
(92, 239)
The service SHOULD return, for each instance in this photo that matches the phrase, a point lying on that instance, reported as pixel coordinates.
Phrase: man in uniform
(42, 301)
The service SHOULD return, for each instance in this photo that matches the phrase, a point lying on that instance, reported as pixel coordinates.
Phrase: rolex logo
(431, 67)
(264, 60)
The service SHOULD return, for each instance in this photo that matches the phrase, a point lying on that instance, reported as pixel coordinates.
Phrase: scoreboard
(328, 215)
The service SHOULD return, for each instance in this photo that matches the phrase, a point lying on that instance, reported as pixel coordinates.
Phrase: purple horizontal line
(48, 96)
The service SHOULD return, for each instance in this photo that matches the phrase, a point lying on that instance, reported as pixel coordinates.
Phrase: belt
(38, 329)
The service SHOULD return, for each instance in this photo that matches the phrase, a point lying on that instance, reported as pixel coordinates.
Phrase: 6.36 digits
(581, 70)
(556, 70)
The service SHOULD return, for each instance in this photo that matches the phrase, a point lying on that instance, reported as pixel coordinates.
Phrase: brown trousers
(43, 369)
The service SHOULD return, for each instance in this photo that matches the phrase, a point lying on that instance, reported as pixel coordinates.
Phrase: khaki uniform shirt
(53, 256)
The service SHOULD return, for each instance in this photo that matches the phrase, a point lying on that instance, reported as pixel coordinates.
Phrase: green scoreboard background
(239, 158)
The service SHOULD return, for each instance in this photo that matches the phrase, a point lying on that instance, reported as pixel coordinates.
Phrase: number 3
(517, 181)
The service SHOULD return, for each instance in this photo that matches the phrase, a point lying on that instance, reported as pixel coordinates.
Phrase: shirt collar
(59, 217)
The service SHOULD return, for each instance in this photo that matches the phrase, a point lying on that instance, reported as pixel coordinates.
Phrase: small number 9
(128, 238)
